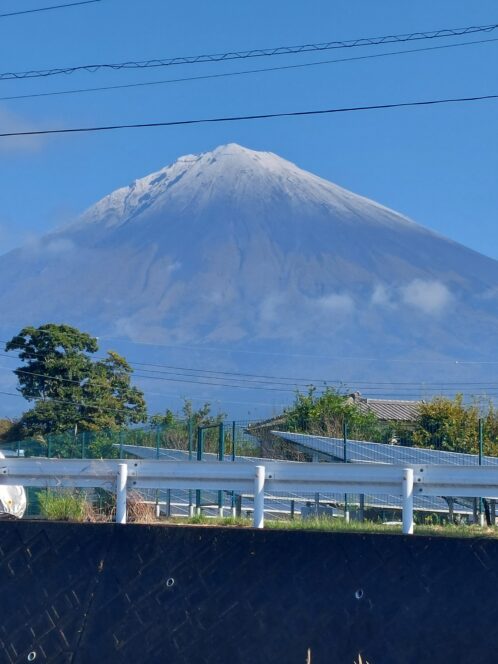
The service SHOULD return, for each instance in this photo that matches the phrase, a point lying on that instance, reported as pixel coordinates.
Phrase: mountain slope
(243, 249)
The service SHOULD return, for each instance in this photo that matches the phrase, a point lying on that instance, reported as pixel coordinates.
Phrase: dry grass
(360, 660)
(139, 511)
(67, 505)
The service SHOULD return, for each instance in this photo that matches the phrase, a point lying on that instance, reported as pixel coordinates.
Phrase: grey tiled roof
(389, 409)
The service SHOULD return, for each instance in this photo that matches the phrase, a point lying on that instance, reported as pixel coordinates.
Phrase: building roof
(387, 409)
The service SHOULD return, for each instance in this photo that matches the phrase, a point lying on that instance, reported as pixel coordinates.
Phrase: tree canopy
(449, 424)
(71, 389)
(325, 413)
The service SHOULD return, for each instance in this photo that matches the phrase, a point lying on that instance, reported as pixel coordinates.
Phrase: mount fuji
(239, 259)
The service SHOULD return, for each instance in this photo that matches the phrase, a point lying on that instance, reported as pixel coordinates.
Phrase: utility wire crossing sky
(239, 118)
(254, 53)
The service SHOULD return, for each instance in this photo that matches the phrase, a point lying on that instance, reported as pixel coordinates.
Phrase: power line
(370, 386)
(239, 377)
(245, 351)
(77, 403)
(245, 72)
(254, 53)
(52, 7)
(271, 353)
(239, 118)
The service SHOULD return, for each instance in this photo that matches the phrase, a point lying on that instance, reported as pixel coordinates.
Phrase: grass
(66, 505)
(340, 526)
(63, 505)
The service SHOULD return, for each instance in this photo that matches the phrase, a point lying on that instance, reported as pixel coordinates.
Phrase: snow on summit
(236, 172)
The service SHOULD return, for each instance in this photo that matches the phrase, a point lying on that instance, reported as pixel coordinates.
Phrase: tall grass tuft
(63, 505)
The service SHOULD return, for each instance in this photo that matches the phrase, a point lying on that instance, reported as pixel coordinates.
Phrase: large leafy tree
(70, 389)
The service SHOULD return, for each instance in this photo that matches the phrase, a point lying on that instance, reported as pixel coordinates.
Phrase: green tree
(166, 420)
(446, 424)
(325, 413)
(202, 416)
(9, 430)
(70, 389)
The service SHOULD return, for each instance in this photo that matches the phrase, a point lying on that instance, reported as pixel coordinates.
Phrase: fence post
(481, 440)
(408, 501)
(259, 498)
(190, 445)
(345, 460)
(233, 503)
(221, 457)
(158, 445)
(121, 493)
(200, 454)
(361, 514)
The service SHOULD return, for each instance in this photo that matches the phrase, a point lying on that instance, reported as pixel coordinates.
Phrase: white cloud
(490, 294)
(174, 266)
(382, 296)
(10, 122)
(60, 246)
(429, 296)
(336, 303)
(268, 311)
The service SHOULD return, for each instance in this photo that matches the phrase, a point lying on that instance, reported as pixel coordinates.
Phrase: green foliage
(166, 420)
(202, 416)
(62, 505)
(102, 445)
(447, 424)
(173, 431)
(198, 519)
(324, 414)
(71, 390)
(9, 430)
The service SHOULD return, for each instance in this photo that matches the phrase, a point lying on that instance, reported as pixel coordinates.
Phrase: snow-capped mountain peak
(244, 249)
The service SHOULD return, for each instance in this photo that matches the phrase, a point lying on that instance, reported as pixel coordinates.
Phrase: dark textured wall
(95, 593)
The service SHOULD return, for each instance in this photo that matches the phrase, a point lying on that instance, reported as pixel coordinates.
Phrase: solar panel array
(281, 504)
(358, 451)
(362, 451)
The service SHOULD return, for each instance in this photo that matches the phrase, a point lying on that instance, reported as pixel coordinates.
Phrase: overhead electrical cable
(245, 72)
(239, 378)
(371, 386)
(65, 5)
(254, 53)
(271, 353)
(240, 118)
(83, 404)
(293, 378)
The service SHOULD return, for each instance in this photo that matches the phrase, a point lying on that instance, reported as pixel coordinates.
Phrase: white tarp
(12, 499)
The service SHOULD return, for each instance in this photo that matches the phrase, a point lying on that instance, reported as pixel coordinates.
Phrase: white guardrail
(121, 475)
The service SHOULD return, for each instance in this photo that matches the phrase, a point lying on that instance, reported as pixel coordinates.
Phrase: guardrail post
(221, 457)
(121, 493)
(259, 498)
(408, 501)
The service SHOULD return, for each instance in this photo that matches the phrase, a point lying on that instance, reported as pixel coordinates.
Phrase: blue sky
(438, 165)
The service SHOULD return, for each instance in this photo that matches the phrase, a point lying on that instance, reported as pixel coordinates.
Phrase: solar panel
(364, 451)
(358, 451)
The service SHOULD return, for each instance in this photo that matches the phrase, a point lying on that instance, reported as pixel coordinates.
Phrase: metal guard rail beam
(121, 475)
